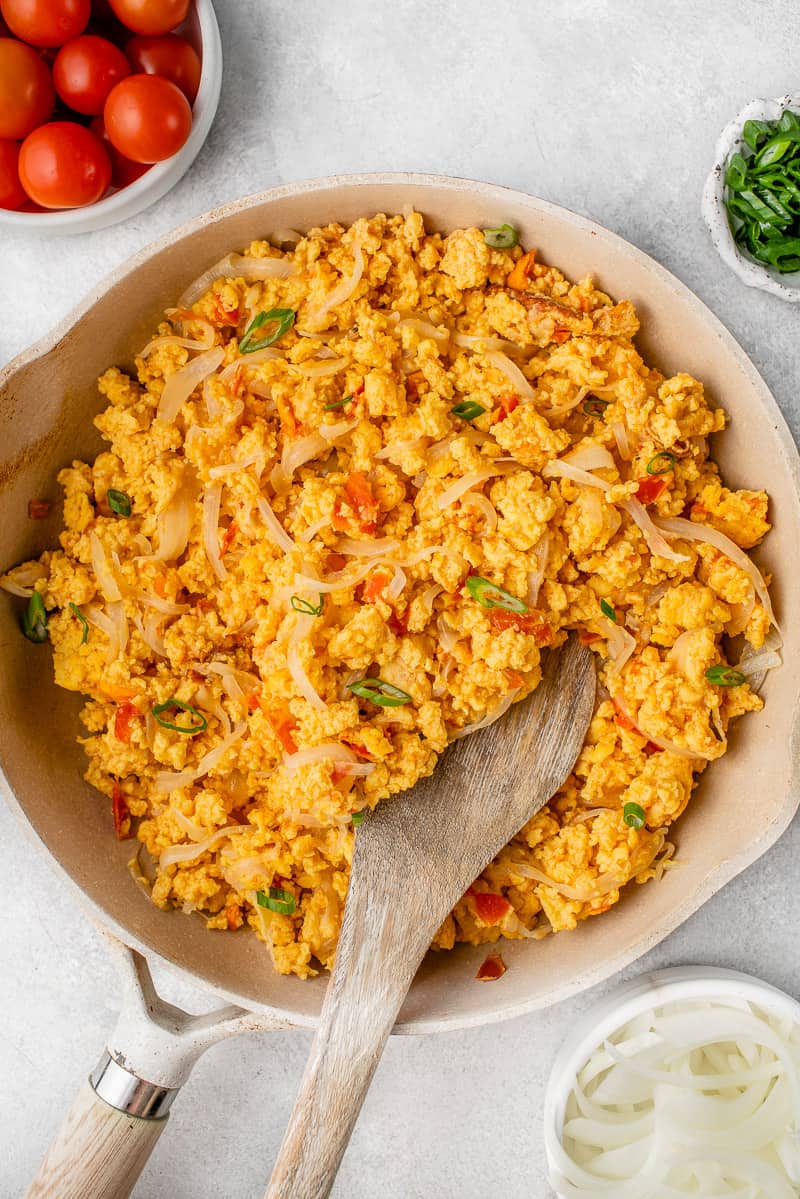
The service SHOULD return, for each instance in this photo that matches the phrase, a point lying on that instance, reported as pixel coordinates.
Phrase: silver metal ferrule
(129, 1093)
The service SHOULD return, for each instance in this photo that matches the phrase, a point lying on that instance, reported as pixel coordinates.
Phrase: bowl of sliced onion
(684, 1082)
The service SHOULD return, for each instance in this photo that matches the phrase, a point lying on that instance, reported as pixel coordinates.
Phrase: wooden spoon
(414, 857)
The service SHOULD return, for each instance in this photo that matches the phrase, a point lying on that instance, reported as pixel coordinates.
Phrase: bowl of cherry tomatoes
(104, 105)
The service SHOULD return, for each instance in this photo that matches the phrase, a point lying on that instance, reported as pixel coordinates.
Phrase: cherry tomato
(151, 17)
(169, 56)
(148, 118)
(64, 165)
(46, 22)
(26, 89)
(123, 170)
(12, 194)
(86, 70)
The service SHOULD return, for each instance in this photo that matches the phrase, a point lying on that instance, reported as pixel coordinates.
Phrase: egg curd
(359, 480)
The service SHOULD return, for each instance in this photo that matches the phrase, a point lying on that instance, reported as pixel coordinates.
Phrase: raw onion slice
(296, 453)
(620, 431)
(620, 643)
(357, 548)
(162, 605)
(428, 596)
(590, 457)
(485, 507)
(448, 636)
(466, 483)
(319, 370)
(559, 468)
(179, 387)
(603, 884)
(334, 582)
(186, 853)
(424, 328)
(103, 572)
(275, 528)
(536, 577)
(235, 266)
(302, 682)
(395, 587)
(755, 663)
(651, 532)
(20, 581)
(188, 343)
(395, 448)
(343, 290)
(97, 617)
(675, 526)
(211, 505)
(491, 716)
(512, 373)
(167, 781)
(480, 345)
(329, 751)
(149, 633)
(173, 526)
(340, 429)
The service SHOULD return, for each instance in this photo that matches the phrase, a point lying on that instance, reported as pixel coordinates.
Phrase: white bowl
(628, 1001)
(202, 31)
(754, 274)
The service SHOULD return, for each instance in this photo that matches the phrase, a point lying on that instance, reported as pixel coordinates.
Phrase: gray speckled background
(611, 109)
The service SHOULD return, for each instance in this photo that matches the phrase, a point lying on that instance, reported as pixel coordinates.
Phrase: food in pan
(357, 483)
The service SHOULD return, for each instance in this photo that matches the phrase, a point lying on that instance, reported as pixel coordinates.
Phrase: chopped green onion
(762, 194)
(191, 729)
(633, 815)
(338, 403)
(74, 608)
(490, 595)
(594, 406)
(725, 676)
(282, 318)
(468, 410)
(607, 610)
(119, 502)
(304, 605)
(377, 691)
(504, 237)
(277, 900)
(358, 817)
(34, 619)
(661, 464)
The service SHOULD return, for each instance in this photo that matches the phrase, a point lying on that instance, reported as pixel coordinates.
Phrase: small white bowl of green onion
(751, 199)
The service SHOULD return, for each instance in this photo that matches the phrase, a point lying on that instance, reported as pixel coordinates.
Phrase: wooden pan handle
(98, 1152)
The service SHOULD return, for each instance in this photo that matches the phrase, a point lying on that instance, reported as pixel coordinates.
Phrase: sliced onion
(484, 505)
(97, 617)
(267, 354)
(620, 642)
(590, 457)
(340, 429)
(285, 237)
(186, 853)
(193, 830)
(563, 409)
(657, 594)
(188, 343)
(302, 682)
(275, 528)
(536, 577)
(233, 468)
(335, 582)
(103, 573)
(466, 483)
(672, 747)
(394, 448)
(319, 370)
(166, 781)
(512, 373)
(330, 751)
(310, 533)
(651, 532)
(587, 814)
(345, 289)
(480, 345)
(675, 526)
(491, 716)
(20, 581)
(603, 884)
(620, 431)
(754, 663)
(150, 634)
(296, 453)
(235, 266)
(116, 614)
(357, 548)
(180, 386)
(424, 328)
(173, 527)
(447, 634)
(395, 587)
(559, 468)
(428, 596)
(211, 504)
(427, 551)
(162, 605)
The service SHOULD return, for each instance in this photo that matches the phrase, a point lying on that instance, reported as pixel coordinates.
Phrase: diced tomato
(121, 813)
(398, 622)
(118, 691)
(124, 718)
(335, 562)
(362, 500)
(251, 699)
(223, 315)
(650, 489)
(339, 771)
(283, 725)
(227, 537)
(358, 750)
(490, 907)
(236, 386)
(493, 968)
(519, 277)
(652, 748)
(515, 679)
(160, 585)
(523, 622)
(39, 509)
(586, 638)
(561, 335)
(374, 585)
(624, 721)
(699, 510)
(584, 303)
(233, 915)
(507, 405)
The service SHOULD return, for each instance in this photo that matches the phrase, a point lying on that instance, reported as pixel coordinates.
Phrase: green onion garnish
(338, 403)
(594, 406)
(489, 595)
(607, 610)
(358, 817)
(633, 815)
(282, 318)
(377, 691)
(277, 900)
(119, 502)
(172, 703)
(504, 237)
(468, 410)
(725, 676)
(763, 192)
(661, 464)
(74, 608)
(304, 605)
(34, 619)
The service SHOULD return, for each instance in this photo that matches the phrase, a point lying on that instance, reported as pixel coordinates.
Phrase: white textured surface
(613, 110)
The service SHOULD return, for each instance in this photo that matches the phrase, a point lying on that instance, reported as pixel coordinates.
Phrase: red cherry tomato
(148, 118)
(123, 170)
(46, 22)
(12, 194)
(26, 89)
(169, 56)
(64, 165)
(151, 17)
(86, 70)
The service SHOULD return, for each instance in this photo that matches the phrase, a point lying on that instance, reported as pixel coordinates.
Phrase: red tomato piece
(507, 406)
(650, 489)
(12, 193)
(373, 587)
(27, 97)
(489, 907)
(123, 170)
(63, 165)
(123, 720)
(46, 22)
(624, 721)
(152, 17)
(147, 118)
(283, 725)
(560, 335)
(121, 813)
(169, 56)
(493, 968)
(523, 622)
(227, 538)
(85, 71)
(359, 493)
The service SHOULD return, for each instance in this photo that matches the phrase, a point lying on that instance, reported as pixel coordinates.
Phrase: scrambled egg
(300, 570)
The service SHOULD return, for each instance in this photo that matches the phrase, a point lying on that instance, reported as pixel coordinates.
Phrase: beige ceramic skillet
(47, 400)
